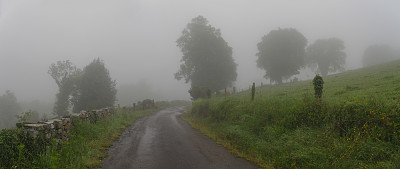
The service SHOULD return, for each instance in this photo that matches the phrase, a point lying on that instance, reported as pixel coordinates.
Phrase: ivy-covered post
(225, 92)
(318, 83)
(208, 93)
(253, 91)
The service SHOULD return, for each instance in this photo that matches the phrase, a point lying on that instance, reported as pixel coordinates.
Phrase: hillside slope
(356, 124)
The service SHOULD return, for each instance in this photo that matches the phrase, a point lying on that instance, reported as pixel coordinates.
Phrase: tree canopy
(62, 71)
(65, 75)
(95, 89)
(9, 108)
(207, 58)
(376, 54)
(281, 53)
(327, 55)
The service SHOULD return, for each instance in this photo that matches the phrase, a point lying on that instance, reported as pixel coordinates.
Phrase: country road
(163, 141)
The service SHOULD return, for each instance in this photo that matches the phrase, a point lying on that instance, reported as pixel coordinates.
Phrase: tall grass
(356, 124)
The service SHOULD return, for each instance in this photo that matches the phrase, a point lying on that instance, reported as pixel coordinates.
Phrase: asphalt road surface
(163, 140)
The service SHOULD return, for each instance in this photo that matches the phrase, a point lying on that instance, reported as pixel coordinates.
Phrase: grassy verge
(85, 149)
(356, 124)
(89, 142)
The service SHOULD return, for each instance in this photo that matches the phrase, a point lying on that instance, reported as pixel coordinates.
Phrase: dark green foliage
(376, 54)
(8, 147)
(199, 92)
(281, 53)
(65, 75)
(9, 108)
(253, 91)
(95, 88)
(327, 55)
(17, 150)
(207, 57)
(318, 83)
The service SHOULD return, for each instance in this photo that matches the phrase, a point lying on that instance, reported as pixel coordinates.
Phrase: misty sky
(136, 38)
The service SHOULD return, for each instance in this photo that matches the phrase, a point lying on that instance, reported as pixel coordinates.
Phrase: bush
(17, 150)
(199, 92)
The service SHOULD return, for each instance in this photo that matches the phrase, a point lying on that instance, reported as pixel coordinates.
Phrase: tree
(9, 108)
(65, 75)
(95, 89)
(281, 53)
(376, 54)
(207, 58)
(327, 55)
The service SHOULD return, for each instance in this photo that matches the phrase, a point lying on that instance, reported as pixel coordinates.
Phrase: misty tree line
(11, 111)
(207, 61)
(9, 108)
(87, 89)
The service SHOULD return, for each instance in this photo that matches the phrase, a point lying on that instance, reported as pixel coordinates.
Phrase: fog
(136, 39)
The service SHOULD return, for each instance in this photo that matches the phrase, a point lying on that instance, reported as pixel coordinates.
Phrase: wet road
(163, 140)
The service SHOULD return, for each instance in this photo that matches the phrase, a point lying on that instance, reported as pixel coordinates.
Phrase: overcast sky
(137, 38)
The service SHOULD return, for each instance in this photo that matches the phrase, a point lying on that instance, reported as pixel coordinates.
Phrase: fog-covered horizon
(136, 39)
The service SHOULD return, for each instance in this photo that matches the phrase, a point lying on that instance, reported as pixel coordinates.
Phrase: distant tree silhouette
(207, 58)
(376, 54)
(95, 88)
(9, 108)
(327, 55)
(65, 75)
(281, 53)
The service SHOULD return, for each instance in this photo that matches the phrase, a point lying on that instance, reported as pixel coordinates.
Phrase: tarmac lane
(165, 141)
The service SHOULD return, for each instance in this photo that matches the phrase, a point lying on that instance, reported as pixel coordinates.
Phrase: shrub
(318, 83)
(17, 150)
(199, 92)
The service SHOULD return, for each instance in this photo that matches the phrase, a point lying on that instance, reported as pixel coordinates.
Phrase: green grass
(356, 124)
(85, 149)
(89, 142)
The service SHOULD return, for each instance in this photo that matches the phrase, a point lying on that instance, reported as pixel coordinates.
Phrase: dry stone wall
(59, 129)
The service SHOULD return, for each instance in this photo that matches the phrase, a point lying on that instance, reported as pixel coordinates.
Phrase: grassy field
(356, 124)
